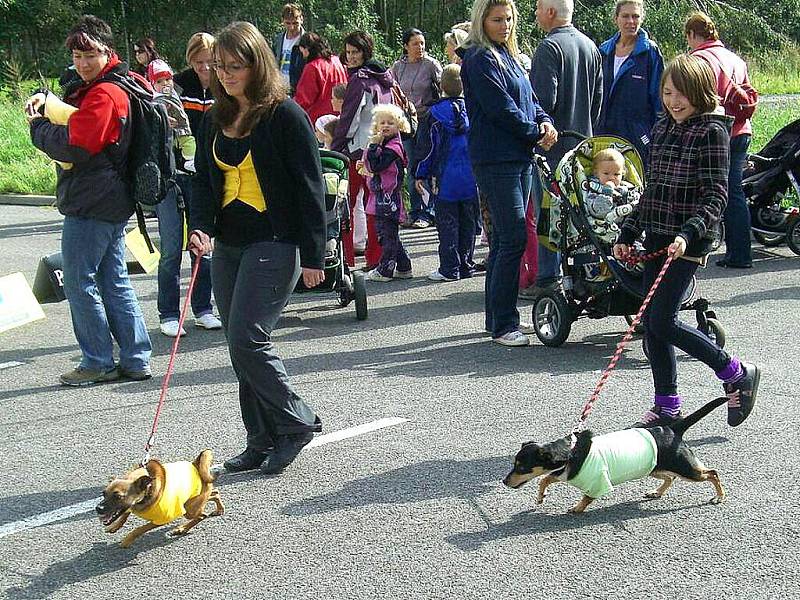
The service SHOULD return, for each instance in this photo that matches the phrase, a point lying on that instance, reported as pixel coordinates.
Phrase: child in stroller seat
(607, 200)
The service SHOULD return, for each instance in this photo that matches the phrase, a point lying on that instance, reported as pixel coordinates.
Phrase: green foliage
(23, 169)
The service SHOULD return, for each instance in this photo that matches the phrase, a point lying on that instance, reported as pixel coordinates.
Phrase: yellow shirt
(183, 482)
(241, 182)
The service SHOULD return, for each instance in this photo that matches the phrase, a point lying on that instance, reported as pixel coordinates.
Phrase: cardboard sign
(17, 303)
(135, 242)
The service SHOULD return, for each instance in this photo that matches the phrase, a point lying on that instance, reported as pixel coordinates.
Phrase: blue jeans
(101, 300)
(506, 187)
(737, 214)
(455, 223)
(549, 269)
(170, 230)
(418, 209)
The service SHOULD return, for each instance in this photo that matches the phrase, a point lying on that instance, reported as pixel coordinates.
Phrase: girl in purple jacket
(385, 162)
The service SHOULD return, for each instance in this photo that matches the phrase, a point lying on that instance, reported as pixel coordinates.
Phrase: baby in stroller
(608, 199)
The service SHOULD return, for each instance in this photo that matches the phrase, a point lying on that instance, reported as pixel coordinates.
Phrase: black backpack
(150, 167)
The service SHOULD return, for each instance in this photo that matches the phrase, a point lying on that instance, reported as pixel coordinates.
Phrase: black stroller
(339, 279)
(770, 179)
(594, 284)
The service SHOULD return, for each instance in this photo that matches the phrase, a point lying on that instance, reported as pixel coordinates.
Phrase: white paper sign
(17, 303)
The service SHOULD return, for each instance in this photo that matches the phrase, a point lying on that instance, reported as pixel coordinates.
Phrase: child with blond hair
(385, 163)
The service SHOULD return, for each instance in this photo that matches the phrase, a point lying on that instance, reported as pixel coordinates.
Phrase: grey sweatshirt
(419, 80)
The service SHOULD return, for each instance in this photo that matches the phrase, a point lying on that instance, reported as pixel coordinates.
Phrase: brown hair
(620, 3)
(451, 81)
(701, 25)
(197, 43)
(362, 41)
(330, 127)
(291, 10)
(90, 33)
(149, 46)
(693, 78)
(315, 44)
(339, 91)
(266, 88)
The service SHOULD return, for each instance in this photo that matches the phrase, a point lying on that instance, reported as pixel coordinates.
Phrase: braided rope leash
(580, 423)
(168, 375)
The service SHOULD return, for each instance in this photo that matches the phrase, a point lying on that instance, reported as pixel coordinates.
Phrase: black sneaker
(742, 394)
(287, 447)
(654, 418)
(248, 460)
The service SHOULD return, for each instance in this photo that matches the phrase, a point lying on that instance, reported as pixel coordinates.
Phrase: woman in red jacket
(322, 72)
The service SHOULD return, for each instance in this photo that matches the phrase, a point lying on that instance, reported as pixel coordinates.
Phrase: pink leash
(165, 382)
(580, 424)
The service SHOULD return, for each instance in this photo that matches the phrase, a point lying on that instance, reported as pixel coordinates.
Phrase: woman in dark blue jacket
(632, 67)
(506, 123)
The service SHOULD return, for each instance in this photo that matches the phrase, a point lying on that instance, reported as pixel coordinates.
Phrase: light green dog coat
(615, 458)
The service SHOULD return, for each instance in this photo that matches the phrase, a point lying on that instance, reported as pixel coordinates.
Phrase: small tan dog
(159, 494)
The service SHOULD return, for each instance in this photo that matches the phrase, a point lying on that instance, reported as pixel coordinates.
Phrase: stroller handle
(573, 134)
(334, 154)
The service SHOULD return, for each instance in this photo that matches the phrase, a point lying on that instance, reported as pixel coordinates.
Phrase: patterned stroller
(594, 284)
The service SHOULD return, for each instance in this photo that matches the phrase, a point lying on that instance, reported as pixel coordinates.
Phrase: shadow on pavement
(17, 508)
(99, 560)
(418, 482)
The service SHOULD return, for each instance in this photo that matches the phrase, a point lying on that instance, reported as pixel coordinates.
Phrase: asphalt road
(414, 510)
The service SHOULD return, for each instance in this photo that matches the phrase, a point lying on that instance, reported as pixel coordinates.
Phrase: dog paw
(716, 500)
(176, 532)
(654, 495)
(540, 499)
(575, 510)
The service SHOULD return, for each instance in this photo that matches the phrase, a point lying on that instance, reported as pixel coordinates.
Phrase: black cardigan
(286, 158)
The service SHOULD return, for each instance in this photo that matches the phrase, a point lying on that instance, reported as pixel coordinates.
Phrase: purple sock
(733, 372)
(668, 405)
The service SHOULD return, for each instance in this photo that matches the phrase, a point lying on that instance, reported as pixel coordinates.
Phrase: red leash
(165, 383)
(580, 424)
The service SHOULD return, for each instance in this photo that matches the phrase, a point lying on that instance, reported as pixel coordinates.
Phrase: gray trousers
(251, 285)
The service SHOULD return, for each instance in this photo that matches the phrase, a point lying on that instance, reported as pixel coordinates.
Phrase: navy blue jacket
(632, 99)
(441, 151)
(503, 111)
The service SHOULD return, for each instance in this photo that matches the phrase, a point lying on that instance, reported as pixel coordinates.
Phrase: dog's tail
(683, 424)
(203, 465)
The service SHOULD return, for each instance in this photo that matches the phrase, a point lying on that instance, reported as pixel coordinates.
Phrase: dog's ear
(141, 484)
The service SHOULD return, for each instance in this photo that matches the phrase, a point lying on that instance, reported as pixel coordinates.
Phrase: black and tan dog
(159, 494)
(596, 464)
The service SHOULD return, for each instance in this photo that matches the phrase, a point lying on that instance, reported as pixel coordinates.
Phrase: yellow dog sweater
(182, 482)
(615, 458)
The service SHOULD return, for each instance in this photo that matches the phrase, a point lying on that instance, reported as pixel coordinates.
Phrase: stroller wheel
(360, 293)
(793, 237)
(552, 318)
(346, 293)
(769, 239)
(716, 332)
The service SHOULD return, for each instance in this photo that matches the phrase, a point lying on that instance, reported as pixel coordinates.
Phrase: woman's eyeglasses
(230, 69)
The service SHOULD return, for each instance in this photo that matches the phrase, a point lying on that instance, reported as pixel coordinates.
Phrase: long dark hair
(266, 88)
(317, 46)
(149, 46)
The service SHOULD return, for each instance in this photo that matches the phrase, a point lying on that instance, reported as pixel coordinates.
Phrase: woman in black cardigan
(259, 193)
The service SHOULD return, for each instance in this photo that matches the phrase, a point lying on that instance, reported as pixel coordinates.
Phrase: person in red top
(703, 40)
(323, 72)
(94, 200)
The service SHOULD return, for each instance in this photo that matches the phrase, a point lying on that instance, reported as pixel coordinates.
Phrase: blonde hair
(693, 78)
(608, 155)
(701, 25)
(458, 34)
(394, 112)
(197, 43)
(477, 36)
(620, 3)
(451, 81)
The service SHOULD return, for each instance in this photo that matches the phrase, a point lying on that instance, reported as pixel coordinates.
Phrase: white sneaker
(403, 274)
(208, 321)
(513, 338)
(437, 276)
(170, 329)
(526, 328)
(374, 275)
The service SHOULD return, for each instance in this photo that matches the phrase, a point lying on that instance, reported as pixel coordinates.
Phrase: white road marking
(66, 512)
(8, 365)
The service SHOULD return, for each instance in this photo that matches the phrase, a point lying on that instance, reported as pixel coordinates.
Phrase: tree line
(32, 33)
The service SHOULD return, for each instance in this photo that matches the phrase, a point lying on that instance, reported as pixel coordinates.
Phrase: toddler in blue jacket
(442, 159)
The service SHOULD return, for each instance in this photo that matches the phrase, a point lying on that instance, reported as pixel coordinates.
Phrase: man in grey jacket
(567, 78)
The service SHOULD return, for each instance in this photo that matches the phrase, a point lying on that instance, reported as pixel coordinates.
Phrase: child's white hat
(320, 123)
